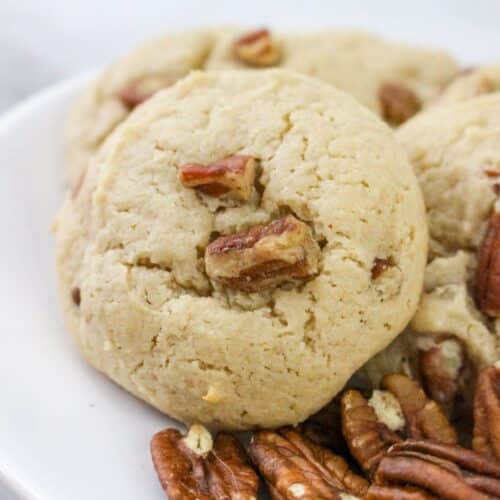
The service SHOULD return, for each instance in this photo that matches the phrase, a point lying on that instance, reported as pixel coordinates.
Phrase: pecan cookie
(240, 246)
(455, 152)
(393, 80)
(152, 66)
(471, 83)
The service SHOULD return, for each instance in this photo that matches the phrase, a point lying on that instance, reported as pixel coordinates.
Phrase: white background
(42, 41)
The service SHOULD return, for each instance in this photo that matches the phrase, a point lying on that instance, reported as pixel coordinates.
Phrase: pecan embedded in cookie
(488, 270)
(257, 48)
(232, 177)
(398, 103)
(141, 89)
(264, 256)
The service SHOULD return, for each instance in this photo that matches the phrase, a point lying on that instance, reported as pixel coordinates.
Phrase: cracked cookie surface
(357, 63)
(132, 240)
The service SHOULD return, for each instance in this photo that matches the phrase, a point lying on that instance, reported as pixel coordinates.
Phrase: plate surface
(66, 432)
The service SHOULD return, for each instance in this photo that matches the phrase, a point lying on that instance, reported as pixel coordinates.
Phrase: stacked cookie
(242, 236)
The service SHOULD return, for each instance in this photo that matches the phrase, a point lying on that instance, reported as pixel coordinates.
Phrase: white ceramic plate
(66, 432)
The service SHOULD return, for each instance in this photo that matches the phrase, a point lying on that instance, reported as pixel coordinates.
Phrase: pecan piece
(257, 49)
(488, 270)
(295, 468)
(441, 367)
(141, 89)
(76, 295)
(195, 467)
(424, 417)
(398, 103)
(446, 471)
(380, 266)
(232, 177)
(367, 437)
(486, 436)
(264, 256)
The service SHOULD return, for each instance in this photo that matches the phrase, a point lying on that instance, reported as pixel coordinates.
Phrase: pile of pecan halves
(398, 444)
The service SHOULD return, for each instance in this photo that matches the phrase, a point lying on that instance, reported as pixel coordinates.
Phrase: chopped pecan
(296, 468)
(141, 89)
(424, 418)
(76, 295)
(194, 467)
(440, 368)
(398, 103)
(444, 470)
(486, 437)
(264, 256)
(380, 266)
(232, 177)
(488, 270)
(368, 438)
(257, 49)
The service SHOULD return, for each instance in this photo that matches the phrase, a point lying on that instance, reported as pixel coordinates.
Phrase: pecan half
(264, 256)
(296, 468)
(440, 368)
(486, 436)
(232, 177)
(398, 103)
(141, 89)
(488, 270)
(257, 49)
(194, 467)
(424, 418)
(443, 470)
(368, 438)
(376, 492)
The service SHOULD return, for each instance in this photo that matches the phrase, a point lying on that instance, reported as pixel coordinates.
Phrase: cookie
(454, 152)
(241, 244)
(393, 80)
(471, 83)
(158, 63)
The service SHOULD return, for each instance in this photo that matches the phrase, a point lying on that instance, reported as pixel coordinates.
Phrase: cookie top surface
(471, 83)
(358, 63)
(133, 239)
(155, 64)
(355, 62)
(454, 151)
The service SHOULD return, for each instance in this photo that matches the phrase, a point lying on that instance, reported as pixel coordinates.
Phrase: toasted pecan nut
(193, 467)
(296, 468)
(232, 177)
(368, 438)
(376, 492)
(446, 471)
(257, 49)
(424, 418)
(488, 270)
(141, 89)
(398, 103)
(441, 367)
(264, 256)
(486, 436)
(380, 266)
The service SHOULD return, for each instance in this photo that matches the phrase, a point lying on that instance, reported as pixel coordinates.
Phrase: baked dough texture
(454, 150)
(357, 63)
(99, 110)
(473, 83)
(132, 241)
